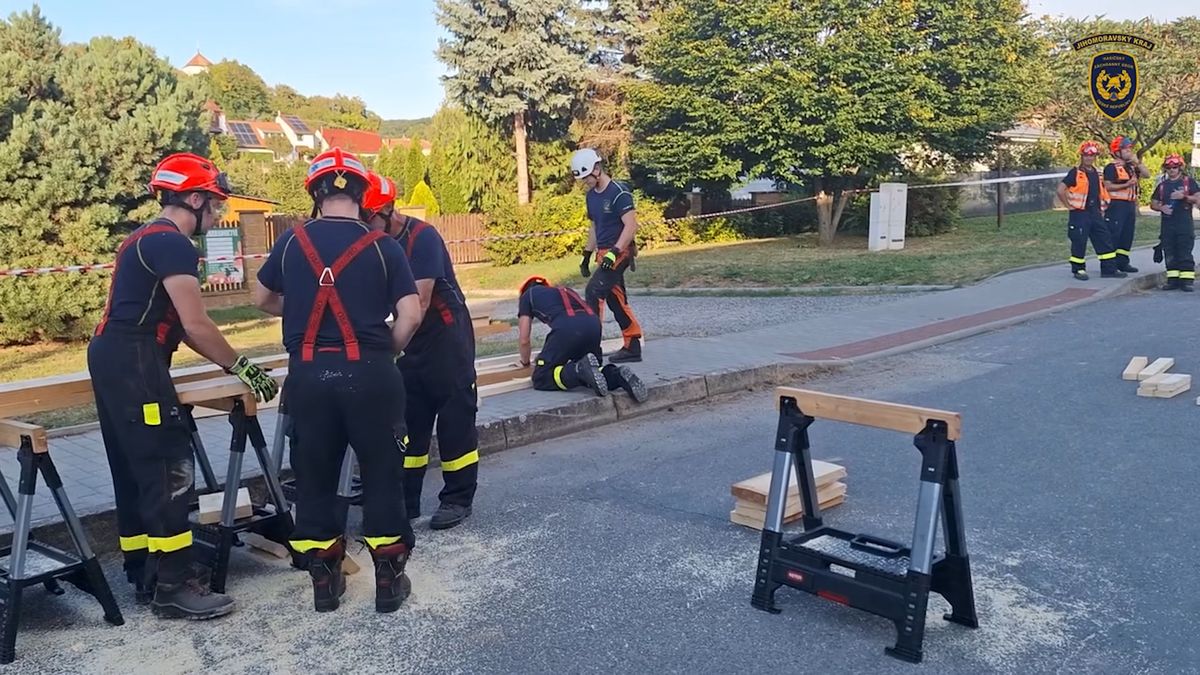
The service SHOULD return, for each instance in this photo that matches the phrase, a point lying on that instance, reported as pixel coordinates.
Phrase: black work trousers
(1122, 219)
(571, 338)
(334, 402)
(1090, 224)
(149, 448)
(440, 379)
(608, 286)
(1177, 239)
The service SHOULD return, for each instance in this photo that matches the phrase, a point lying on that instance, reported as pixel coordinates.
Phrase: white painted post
(897, 213)
(877, 233)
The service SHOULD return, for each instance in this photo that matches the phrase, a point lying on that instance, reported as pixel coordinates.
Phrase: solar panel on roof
(244, 133)
(297, 124)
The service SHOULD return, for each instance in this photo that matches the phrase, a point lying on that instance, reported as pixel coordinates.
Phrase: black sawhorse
(859, 570)
(26, 563)
(272, 520)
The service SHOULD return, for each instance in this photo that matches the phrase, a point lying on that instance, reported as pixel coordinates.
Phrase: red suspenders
(327, 295)
(434, 299)
(569, 296)
(165, 325)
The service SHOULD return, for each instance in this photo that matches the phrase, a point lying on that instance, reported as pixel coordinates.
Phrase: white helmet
(584, 161)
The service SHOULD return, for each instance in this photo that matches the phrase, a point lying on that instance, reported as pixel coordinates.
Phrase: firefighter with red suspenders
(154, 303)
(570, 357)
(438, 366)
(335, 282)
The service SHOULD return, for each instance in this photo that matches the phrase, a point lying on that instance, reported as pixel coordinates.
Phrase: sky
(378, 50)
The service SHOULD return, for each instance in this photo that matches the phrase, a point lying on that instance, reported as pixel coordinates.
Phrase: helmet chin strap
(198, 213)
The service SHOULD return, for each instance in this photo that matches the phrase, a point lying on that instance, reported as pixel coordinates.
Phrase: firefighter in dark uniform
(1121, 177)
(1083, 192)
(614, 226)
(153, 303)
(335, 282)
(570, 357)
(1173, 198)
(438, 368)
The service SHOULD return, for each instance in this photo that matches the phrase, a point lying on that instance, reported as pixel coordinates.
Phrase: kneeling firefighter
(570, 357)
(342, 281)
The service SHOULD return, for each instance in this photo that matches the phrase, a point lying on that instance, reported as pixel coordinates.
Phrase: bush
(932, 211)
(704, 230)
(423, 196)
(547, 214)
(653, 229)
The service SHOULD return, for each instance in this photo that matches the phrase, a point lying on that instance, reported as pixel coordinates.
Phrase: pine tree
(414, 167)
(80, 129)
(423, 196)
(511, 60)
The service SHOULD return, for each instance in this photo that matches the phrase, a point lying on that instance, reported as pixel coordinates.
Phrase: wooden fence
(453, 228)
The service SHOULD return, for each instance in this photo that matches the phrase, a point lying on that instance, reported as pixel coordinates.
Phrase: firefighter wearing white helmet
(614, 225)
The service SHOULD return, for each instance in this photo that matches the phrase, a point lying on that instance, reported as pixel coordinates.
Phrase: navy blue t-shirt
(1181, 209)
(545, 303)
(605, 209)
(429, 258)
(369, 287)
(139, 300)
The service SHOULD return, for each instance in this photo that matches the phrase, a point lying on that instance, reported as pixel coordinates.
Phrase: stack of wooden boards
(1153, 379)
(750, 507)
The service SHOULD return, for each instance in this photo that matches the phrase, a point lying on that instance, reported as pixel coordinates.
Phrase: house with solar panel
(298, 133)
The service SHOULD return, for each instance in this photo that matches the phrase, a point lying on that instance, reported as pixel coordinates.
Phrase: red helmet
(336, 171)
(1089, 148)
(185, 172)
(533, 281)
(1119, 143)
(1173, 159)
(381, 193)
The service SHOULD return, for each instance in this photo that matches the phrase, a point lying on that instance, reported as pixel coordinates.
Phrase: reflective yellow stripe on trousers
(135, 543)
(463, 462)
(376, 542)
(169, 544)
(303, 545)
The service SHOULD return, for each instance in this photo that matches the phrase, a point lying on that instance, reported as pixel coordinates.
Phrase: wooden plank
(879, 414)
(505, 387)
(1136, 365)
(513, 372)
(757, 523)
(1173, 386)
(265, 545)
(11, 431)
(793, 506)
(210, 507)
(757, 488)
(1160, 365)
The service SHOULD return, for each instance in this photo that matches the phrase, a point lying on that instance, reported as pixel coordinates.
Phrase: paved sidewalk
(679, 370)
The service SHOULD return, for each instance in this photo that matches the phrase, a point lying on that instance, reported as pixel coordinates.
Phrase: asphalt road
(611, 551)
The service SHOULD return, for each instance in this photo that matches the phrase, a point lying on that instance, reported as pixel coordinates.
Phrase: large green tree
(829, 94)
(80, 129)
(239, 90)
(390, 163)
(511, 61)
(1168, 80)
(414, 168)
(468, 161)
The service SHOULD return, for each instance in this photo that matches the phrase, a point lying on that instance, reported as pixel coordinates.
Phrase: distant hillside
(418, 128)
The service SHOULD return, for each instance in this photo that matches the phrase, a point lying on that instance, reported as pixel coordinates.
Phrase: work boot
(1113, 274)
(1185, 286)
(587, 370)
(448, 515)
(144, 582)
(189, 599)
(1128, 269)
(325, 568)
(1081, 275)
(1171, 284)
(392, 585)
(623, 377)
(629, 353)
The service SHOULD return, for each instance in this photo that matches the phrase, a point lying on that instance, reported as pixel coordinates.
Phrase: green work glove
(609, 260)
(585, 267)
(262, 384)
